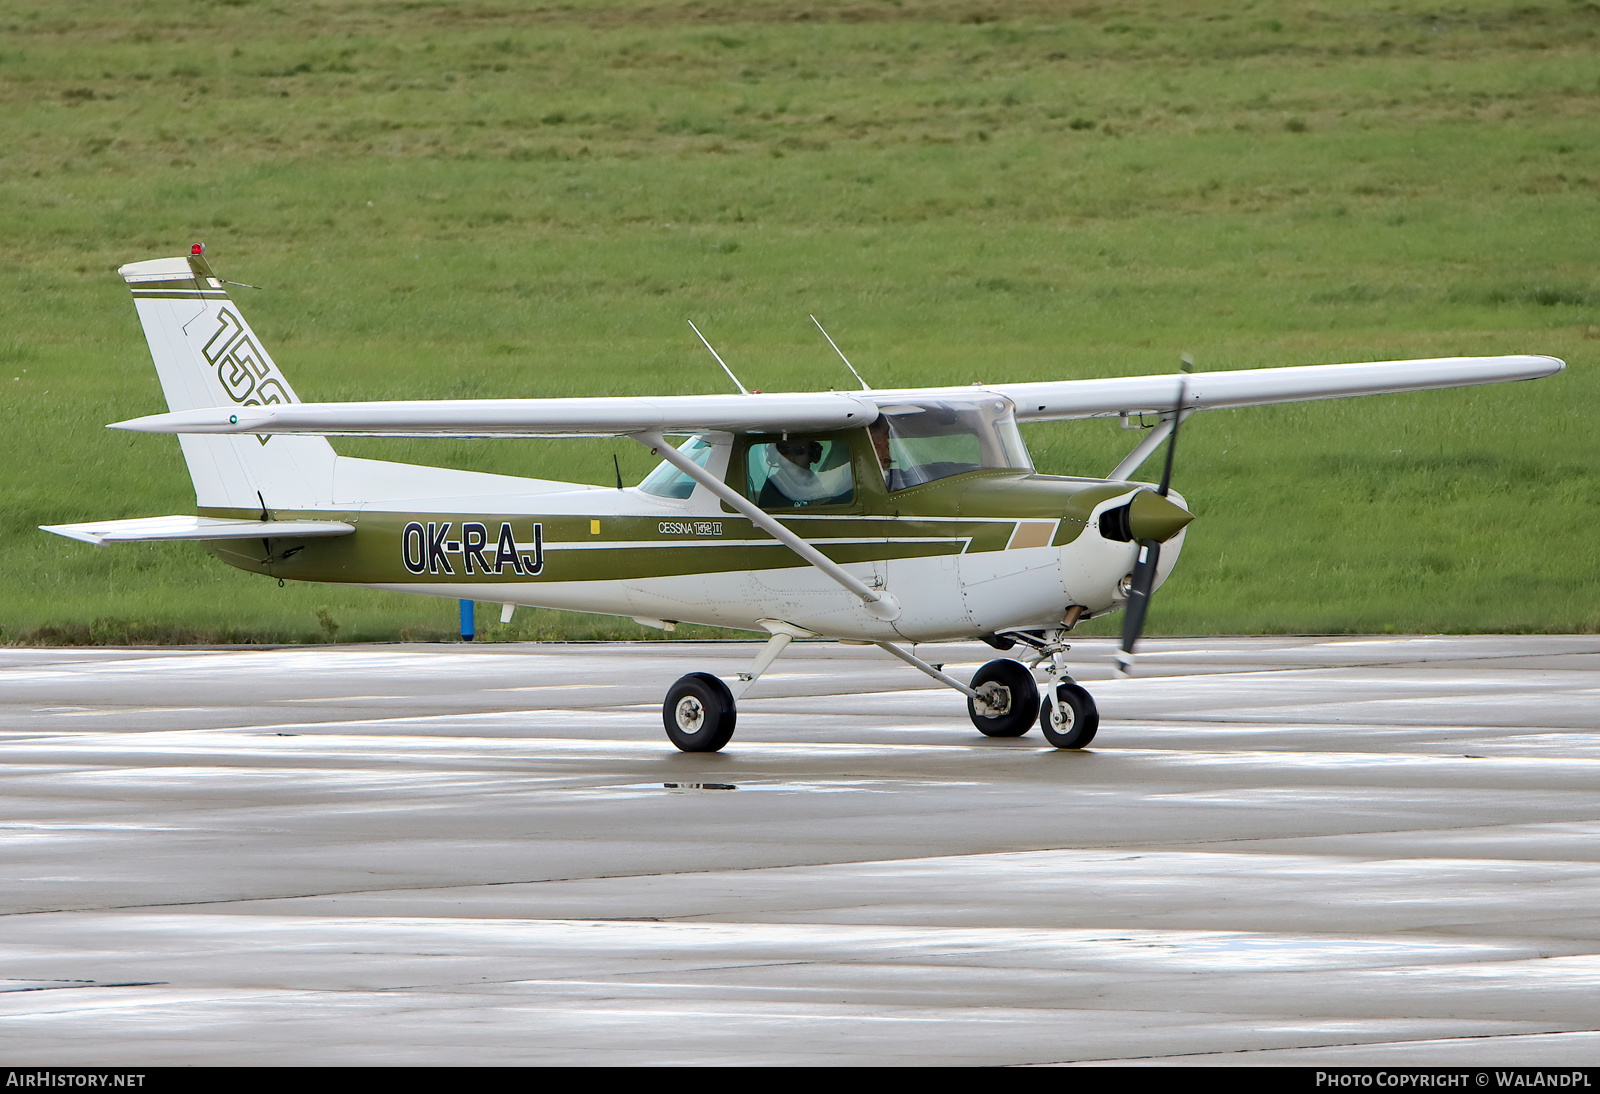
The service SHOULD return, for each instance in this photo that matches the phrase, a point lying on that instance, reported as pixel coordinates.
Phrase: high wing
(772, 413)
(1258, 386)
(593, 417)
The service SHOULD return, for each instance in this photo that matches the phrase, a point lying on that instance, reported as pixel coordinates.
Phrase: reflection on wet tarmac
(1314, 851)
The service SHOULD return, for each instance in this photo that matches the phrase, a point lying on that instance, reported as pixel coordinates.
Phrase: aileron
(1061, 399)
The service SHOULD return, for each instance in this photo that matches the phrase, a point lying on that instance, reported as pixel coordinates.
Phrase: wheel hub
(995, 698)
(690, 714)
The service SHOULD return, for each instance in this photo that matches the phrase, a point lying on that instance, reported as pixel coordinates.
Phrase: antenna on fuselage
(842, 357)
(720, 361)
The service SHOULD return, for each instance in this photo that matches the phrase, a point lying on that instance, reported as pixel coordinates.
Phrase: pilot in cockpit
(794, 477)
(893, 477)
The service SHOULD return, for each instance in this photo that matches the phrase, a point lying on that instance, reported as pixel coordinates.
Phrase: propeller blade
(1187, 363)
(1144, 570)
(1134, 611)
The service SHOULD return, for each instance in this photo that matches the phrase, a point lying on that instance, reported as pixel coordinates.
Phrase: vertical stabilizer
(207, 356)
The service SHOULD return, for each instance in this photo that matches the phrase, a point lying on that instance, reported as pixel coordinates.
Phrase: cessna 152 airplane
(885, 517)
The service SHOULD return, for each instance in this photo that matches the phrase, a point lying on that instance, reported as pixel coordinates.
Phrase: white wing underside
(808, 412)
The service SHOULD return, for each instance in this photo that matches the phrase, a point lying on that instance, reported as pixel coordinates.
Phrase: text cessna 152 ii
(889, 517)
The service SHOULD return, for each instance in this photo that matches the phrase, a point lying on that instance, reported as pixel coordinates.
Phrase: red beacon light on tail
(198, 249)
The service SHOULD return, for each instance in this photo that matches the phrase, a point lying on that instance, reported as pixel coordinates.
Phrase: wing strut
(1152, 441)
(880, 604)
(922, 666)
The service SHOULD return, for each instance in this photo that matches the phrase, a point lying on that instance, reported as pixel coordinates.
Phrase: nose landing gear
(1067, 716)
(1009, 698)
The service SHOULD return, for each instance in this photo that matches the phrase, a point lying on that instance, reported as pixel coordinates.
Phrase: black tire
(1021, 693)
(699, 715)
(1069, 717)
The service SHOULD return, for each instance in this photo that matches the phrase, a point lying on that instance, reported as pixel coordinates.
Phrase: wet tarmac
(1278, 850)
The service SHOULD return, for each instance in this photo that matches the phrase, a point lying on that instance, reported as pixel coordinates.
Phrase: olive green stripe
(365, 557)
(937, 547)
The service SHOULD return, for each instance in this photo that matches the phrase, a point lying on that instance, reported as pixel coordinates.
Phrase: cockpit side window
(919, 444)
(667, 481)
(794, 474)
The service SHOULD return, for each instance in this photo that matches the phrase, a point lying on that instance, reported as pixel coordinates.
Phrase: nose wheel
(1068, 716)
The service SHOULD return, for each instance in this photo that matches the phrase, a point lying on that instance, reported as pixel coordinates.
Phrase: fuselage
(964, 554)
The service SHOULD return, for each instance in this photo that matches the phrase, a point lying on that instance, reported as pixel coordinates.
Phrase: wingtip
(73, 531)
(207, 420)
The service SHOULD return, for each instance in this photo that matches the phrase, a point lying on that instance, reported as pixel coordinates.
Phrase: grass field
(481, 199)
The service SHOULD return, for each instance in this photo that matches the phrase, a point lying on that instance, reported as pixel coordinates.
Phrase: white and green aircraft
(884, 517)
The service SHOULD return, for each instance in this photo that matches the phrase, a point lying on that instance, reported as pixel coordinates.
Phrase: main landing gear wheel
(699, 713)
(1069, 717)
(1011, 695)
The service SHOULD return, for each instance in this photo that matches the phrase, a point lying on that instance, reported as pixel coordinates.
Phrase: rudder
(206, 355)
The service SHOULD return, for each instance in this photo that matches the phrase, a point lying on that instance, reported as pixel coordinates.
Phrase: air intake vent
(1115, 524)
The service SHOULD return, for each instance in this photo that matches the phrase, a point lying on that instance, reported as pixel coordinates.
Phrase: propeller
(1144, 570)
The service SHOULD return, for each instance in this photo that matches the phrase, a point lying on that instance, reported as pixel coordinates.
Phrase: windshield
(667, 481)
(918, 444)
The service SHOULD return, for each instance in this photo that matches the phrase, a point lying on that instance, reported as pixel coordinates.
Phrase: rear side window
(796, 474)
(667, 481)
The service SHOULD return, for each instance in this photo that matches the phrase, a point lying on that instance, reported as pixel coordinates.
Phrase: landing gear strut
(700, 713)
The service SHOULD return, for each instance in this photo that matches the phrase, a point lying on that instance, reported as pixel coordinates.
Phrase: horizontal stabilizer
(177, 528)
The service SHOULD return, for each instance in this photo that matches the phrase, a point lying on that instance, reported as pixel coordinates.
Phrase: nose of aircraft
(1151, 516)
